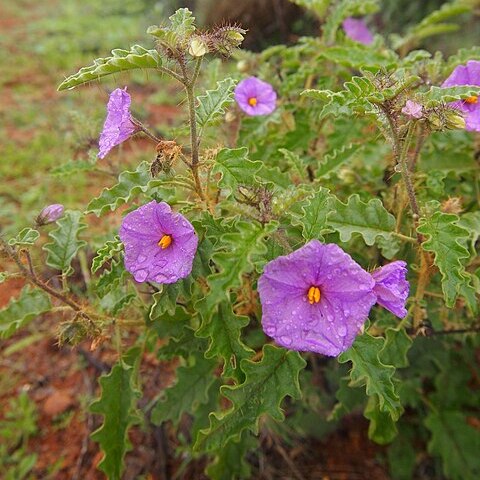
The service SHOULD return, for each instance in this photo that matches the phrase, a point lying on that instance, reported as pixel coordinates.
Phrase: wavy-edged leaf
(110, 278)
(369, 219)
(446, 239)
(456, 443)
(72, 167)
(382, 428)
(368, 370)
(440, 95)
(65, 243)
(224, 331)
(235, 168)
(26, 237)
(117, 404)
(316, 210)
(119, 61)
(213, 104)
(129, 185)
(23, 310)
(247, 241)
(395, 349)
(106, 253)
(266, 384)
(190, 390)
(462, 56)
(337, 158)
(358, 56)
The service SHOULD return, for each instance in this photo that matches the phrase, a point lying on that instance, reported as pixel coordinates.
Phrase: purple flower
(391, 287)
(356, 29)
(255, 97)
(118, 125)
(468, 74)
(315, 299)
(159, 244)
(50, 214)
(412, 109)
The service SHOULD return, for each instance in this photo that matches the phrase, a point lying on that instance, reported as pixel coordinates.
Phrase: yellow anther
(313, 295)
(473, 99)
(252, 101)
(165, 242)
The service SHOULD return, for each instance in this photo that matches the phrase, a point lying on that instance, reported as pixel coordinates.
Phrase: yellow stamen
(252, 101)
(473, 99)
(313, 295)
(165, 242)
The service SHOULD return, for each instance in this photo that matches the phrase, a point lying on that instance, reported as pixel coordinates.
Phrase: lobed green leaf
(65, 243)
(26, 237)
(212, 105)
(106, 253)
(22, 310)
(119, 61)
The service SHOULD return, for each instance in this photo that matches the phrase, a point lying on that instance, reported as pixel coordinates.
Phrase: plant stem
(30, 274)
(145, 130)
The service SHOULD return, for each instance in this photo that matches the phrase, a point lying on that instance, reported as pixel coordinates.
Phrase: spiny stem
(145, 130)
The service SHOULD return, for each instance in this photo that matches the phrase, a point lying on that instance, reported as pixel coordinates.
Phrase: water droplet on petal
(342, 330)
(285, 340)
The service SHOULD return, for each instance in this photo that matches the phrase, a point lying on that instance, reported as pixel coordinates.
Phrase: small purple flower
(255, 97)
(413, 109)
(160, 245)
(50, 214)
(118, 125)
(468, 74)
(392, 287)
(356, 29)
(315, 299)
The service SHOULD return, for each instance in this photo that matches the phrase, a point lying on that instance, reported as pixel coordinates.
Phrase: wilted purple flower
(255, 97)
(392, 287)
(50, 214)
(412, 109)
(356, 29)
(468, 74)
(159, 244)
(315, 299)
(118, 125)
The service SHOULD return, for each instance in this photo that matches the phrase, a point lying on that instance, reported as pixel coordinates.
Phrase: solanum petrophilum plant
(324, 204)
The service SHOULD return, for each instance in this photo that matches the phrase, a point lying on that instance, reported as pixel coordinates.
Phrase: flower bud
(243, 66)
(454, 121)
(198, 47)
(50, 214)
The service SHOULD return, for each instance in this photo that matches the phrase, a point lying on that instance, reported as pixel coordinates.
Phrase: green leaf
(314, 221)
(176, 36)
(117, 404)
(368, 370)
(358, 56)
(129, 185)
(224, 330)
(110, 278)
(23, 310)
(235, 168)
(440, 95)
(65, 243)
(337, 158)
(382, 428)
(247, 241)
(456, 443)
(182, 22)
(318, 7)
(444, 237)
(396, 347)
(470, 221)
(266, 384)
(72, 167)
(369, 219)
(295, 162)
(27, 237)
(106, 253)
(190, 390)
(119, 61)
(230, 462)
(213, 104)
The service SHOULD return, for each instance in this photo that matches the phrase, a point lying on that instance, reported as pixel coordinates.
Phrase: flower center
(165, 242)
(313, 295)
(252, 101)
(472, 100)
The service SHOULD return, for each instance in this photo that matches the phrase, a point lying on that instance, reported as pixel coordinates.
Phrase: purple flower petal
(468, 74)
(295, 321)
(356, 29)
(118, 125)
(392, 287)
(413, 109)
(145, 259)
(255, 97)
